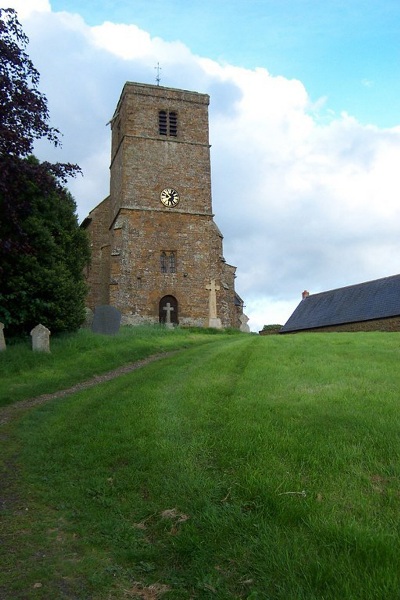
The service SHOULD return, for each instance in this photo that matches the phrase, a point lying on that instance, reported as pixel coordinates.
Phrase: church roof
(367, 301)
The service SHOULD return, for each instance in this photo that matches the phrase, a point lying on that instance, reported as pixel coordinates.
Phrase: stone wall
(125, 267)
(137, 283)
(388, 324)
(98, 270)
(144, 162)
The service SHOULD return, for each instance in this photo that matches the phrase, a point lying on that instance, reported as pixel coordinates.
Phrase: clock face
(169, 197)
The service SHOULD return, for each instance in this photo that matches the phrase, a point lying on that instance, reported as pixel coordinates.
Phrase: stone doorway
(168, 310)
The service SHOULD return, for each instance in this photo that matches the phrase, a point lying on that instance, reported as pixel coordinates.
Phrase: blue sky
(304, 124)
(346, 50)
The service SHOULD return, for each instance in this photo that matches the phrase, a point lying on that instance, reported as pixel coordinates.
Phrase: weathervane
(158, 69)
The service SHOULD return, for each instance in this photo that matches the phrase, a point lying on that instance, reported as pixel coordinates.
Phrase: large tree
(42, 248)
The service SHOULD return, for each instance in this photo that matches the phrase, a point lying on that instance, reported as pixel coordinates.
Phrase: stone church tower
(156, 251)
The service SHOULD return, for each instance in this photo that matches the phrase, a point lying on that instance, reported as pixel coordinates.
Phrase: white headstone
(2, 340)
(40, 338)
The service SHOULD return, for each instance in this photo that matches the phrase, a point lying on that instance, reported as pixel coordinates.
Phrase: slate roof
(367, 301)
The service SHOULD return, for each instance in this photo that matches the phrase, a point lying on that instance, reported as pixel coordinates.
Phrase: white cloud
(268, 311)
(125, 41)
(130, 42)
(25, 8)
(306, 199)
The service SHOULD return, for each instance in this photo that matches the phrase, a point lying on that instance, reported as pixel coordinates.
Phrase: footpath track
(12, 411)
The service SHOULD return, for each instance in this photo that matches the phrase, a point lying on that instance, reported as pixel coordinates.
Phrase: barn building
(370, 306)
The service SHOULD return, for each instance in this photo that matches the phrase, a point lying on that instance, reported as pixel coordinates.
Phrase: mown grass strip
(247, 468)
(76, 357)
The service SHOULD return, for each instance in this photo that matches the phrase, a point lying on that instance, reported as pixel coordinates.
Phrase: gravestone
(2, 340)
(87, 323)
(106, 320)
(168, 309)
(40, 338)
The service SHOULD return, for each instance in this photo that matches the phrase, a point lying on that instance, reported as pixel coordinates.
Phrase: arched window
(168, 261)
(163, 262)
(172, 266)
(168, 310)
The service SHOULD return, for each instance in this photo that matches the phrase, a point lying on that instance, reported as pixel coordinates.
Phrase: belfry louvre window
(168, 123)
(168, 262)
(162, 122)
(173, 124)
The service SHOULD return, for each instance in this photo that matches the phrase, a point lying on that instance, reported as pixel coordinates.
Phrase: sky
(304, 123)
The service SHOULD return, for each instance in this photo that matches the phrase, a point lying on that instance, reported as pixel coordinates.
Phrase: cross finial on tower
(158, 69)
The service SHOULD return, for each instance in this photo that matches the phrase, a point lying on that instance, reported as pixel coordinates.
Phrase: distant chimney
(305, 294)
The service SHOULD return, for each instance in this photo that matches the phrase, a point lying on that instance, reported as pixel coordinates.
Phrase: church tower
(156, 250)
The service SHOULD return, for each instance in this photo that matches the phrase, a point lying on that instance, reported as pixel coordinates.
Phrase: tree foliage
(46, 284)
(23, 109)
(42, 248)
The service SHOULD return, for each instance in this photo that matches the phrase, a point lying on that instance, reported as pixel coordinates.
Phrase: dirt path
(14, 410)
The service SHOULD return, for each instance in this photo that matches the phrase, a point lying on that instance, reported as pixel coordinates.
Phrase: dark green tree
(42, 249)
(45, 284)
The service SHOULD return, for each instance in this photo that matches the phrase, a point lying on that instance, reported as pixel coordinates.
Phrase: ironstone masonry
(146, 254)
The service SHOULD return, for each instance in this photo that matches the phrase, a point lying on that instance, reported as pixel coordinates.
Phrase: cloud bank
(305, 198)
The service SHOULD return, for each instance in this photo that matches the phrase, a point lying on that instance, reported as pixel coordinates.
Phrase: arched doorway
(168, 306)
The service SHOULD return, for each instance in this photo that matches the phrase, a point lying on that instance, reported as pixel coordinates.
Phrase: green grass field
(239, 467)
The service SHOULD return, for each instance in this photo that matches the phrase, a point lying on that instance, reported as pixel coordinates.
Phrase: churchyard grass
(249, 467)
(76, 357)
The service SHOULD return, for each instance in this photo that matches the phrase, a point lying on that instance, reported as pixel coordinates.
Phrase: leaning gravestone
(106, 320)
(40, 338)
(2, 340)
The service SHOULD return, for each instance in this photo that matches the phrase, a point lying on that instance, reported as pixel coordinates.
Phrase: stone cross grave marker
(106, 320)
(213, 320)
(2, 340)
(40, 338)
(168, 309)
